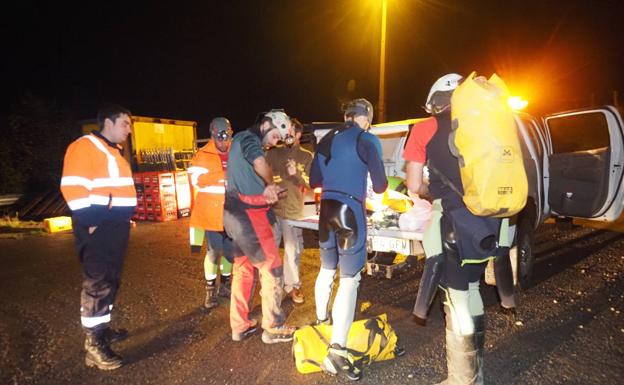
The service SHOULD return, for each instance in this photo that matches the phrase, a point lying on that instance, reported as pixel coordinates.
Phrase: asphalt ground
(569, 329)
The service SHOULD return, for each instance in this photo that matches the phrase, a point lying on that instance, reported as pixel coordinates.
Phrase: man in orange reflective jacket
(207, 171)
(98, 187)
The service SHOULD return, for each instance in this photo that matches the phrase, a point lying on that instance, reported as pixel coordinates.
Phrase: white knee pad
(322, 291)
(343, 310)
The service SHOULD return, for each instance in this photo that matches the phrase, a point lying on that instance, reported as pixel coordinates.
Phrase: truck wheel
(525, 256)
(382, 257)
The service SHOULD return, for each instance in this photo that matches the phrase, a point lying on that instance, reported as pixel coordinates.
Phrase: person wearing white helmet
(343, 159)
(455, 242)
(291, 169)
(250, 222)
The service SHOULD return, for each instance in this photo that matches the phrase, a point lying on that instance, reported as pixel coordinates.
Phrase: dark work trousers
(101, 256)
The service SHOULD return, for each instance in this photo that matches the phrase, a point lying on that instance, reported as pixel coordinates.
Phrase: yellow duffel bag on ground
(369, 340)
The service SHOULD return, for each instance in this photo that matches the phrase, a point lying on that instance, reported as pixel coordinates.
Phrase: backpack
(369, 340)
(484, 138)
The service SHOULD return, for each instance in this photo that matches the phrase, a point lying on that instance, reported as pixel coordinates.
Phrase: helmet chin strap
(438, 110)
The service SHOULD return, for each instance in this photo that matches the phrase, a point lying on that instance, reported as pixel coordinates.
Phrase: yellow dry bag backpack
(485, 141)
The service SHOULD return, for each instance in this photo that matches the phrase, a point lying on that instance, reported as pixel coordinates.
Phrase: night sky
(197, 60)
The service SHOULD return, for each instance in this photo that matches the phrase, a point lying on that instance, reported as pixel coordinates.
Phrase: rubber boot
(427, 287)
(504, 280)
(479, 322)
(99, 354)
(211, 297)
(464, 360)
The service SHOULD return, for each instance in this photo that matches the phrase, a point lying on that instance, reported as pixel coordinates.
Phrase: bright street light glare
(517, 103)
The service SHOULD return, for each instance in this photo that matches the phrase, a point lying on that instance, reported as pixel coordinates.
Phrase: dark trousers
(101, 256)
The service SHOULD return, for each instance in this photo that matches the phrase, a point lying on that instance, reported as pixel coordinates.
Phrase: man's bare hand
(271, 193)
(92, 229)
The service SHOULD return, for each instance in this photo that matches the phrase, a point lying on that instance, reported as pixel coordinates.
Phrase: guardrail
(9, 199)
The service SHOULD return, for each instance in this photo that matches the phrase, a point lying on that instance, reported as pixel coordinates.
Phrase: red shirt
(419, 136)
(224, 159)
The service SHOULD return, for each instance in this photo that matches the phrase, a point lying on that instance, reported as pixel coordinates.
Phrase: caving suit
(250, 221)
(457, 245)
(343, 159)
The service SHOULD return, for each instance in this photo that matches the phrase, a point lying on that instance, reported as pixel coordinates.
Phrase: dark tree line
(36, 134)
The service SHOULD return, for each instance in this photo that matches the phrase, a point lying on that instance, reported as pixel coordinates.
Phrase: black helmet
(220, 129)
(359, 107)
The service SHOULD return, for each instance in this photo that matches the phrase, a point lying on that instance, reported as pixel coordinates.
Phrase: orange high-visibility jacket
(97, 181)
(208, 178)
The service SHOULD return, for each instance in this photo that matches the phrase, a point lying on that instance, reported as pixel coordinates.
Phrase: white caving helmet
(440, 93)
(281, 121)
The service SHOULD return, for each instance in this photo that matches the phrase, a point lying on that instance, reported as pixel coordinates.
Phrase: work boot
(114, 335)
(283, 333)
(340, 360)
(99, 354)
(225, 289)
(111, 335)
(211, 297)
(251, 329)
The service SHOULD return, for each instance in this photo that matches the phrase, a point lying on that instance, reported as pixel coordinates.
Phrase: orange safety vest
(96, 175)
(208, 179)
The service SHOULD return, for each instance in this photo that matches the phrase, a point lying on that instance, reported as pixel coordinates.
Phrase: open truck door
(586, 163)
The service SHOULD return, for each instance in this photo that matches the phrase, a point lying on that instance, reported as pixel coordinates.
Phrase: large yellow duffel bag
(369, 340)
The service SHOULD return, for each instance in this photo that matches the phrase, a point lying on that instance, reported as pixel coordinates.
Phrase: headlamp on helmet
(221, 129)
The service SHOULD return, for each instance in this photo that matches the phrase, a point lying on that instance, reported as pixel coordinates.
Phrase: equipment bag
(485, 141)
(369, 340)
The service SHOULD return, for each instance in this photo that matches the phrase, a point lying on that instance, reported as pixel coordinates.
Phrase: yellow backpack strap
(372, 325)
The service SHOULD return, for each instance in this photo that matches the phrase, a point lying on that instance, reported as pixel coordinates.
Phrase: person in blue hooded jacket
(344, 158)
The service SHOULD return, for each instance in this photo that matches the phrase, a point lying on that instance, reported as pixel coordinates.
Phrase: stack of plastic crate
(139, 212)
(160, 196)
(183, 193)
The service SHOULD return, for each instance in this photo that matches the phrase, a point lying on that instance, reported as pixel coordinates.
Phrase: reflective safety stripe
(78, 204)
(116, 201)
(113, 182)
(113, 168)
(90, 322)
(196, 172)
(212, 189)
(197, 169)
(77, 181)
(97, 182)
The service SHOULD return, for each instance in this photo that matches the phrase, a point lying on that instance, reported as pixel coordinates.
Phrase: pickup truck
(574, 162)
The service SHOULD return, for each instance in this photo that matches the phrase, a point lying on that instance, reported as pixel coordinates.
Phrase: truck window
(580, 132)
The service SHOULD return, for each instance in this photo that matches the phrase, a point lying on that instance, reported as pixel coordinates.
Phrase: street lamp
(382, 63)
